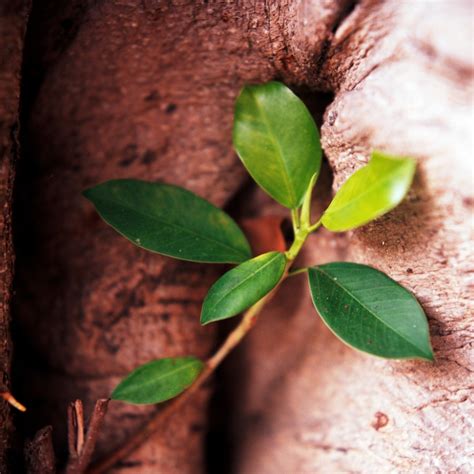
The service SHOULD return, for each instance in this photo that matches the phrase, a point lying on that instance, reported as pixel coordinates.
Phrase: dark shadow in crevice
(46, 40)
(346, 12)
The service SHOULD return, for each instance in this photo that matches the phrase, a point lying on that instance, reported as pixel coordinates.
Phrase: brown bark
(131, 89)
(403, 76)
(13, 17)
(39, 453)
(145, 89)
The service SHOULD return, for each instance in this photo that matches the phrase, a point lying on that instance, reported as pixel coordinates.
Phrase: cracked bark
(145, 89)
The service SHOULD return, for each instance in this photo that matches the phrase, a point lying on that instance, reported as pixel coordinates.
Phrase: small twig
(93, 431)
(71, 431)
(78, 422)
(160, 417)
(81, 447)
(7, 396)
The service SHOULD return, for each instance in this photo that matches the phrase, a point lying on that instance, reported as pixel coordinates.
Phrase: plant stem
(302, 229)
(295, 248)
(315, 226)
(306, 208)
(158, 419)
(295, 219)
(298, 271)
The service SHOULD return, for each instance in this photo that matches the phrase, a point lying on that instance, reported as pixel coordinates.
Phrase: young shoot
(278, 143)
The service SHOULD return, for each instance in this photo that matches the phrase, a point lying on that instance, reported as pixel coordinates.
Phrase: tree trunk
(403, 80)
(145, 89)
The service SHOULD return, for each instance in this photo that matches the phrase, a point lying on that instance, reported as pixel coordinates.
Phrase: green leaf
(277, 140)
(370, 192)
(241, 287)
(158, 380)
(369, 311)
(169, 220)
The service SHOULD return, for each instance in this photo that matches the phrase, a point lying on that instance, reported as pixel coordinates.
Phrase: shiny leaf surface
(158, 381)
(169, 220)
(241, 287)
(277, 140)
(369, 311)
(370, 192)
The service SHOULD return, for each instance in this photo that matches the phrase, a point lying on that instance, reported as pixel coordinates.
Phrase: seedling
(278, 142)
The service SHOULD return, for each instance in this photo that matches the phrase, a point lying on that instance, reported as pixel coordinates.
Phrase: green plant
(278, 142)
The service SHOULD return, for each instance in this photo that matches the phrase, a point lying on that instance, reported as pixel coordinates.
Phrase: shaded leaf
(369, 311)
(169, 220)
(370, 192)
(241, 287)
(277, 140)
(159, 380)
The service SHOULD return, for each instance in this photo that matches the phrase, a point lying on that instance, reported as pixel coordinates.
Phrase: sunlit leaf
(370, 192)
(277, 140)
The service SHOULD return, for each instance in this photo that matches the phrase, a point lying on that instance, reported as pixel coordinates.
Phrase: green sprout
(278, 143)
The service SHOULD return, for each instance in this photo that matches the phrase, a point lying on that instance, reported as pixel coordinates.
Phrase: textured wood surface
(127, 89)
(403, 80)
(146, 89)
(13, 16)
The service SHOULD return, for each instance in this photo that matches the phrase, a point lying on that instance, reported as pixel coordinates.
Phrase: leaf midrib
(286, 175)
(171, 224)
(336, 282)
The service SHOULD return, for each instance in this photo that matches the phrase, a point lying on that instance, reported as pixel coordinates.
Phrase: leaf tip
(428, 355)
(87, 193)
(204, 319)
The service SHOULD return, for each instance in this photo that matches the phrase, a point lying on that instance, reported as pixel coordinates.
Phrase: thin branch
(81, 448)
(93, 431)
(79, 419)
(71, 432)
(160, 417)
(306, 208)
